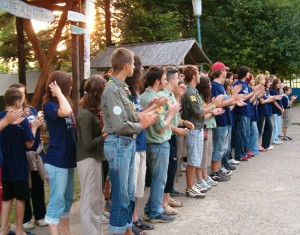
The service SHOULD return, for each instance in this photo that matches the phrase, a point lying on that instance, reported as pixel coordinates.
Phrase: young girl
(277, 110)
(60, 159)
(287, 116)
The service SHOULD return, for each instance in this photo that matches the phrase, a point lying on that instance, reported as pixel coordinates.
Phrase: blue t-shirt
(62, 137)
(225, 118)
(244, 110)
(141, 137)
(254, 116)
(12, 142)
(31, 118)
(275, 110)
(268, 106)
(285, 102)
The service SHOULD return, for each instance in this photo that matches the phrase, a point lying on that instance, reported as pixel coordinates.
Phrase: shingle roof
(175, 53)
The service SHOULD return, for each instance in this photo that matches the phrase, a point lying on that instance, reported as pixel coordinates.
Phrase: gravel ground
(262, 197)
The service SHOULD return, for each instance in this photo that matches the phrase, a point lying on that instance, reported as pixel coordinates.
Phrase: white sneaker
(200, 188)
(211, 182)
(41, 223)
(183, 167)
(28, 225)
(194, 193)
(203, 184)
(226, 172)
(233, 162)
(271, 147)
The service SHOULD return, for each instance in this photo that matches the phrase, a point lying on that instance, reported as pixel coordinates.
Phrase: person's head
(21, 87)
(122, 60)
(287, 90)
(63, 80)
(250, 79)
(191, 73)
(276, 85)
(181, 77)
(134, 82)
(260, 79)
(227, 86)
(272, 77)
(13, 97)
(267, 84)
(203, 73)
(243, 72)
(235, 78)
(156, 77)
(172, 77)
(204, 89)
(218, 70)
(229, 76)
(93, 89)
(179, 93)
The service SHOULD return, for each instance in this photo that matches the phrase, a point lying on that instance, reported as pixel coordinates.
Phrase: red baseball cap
(217, 66)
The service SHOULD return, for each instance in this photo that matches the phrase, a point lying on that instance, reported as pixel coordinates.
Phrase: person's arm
(65, 108)
(165, 124)
(278, 106)
(10, 117)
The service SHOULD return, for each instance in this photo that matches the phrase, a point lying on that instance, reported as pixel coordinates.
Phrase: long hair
(134, 82)
(93, 88)
(20, 85)
(275, 83)
(204, 89)
(63, 80)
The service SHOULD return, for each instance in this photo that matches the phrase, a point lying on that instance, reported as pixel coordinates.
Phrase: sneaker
(271, 147)
(106, 214)
(201, 190)
(194, 193)
(217, 176)
(290, 138)
(41, 223)
(285, 138)
(175, 193)
(277, 142)
(230, 167)
(233, 162)
(211, 182)
(183, 166)
(28, 225)
(203, 184)
(163, 218)
(225, 172)
(146, 217)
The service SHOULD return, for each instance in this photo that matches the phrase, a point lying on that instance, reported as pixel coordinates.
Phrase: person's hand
(158, 101)
(55, 89)
(240, 103)
(26, 112)
(256, 88)
(218, 101)
(173, 108)
(189, 125)
(104, 135)
(218, 111)
(182, 131)
(278, 97)
(236, 89)
(13, 115)
(293, 98)
(37, 122)
(237, 97)
(147, 119)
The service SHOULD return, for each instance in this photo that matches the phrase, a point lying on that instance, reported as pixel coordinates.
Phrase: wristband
(211, 113)
(213, 106)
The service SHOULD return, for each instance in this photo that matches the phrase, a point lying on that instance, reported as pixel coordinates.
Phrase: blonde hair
(259, 78)
(119, 58)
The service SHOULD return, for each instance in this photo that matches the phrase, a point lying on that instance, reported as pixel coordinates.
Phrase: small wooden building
(167, 53)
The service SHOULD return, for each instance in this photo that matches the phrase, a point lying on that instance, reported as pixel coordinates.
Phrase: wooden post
(21, 52)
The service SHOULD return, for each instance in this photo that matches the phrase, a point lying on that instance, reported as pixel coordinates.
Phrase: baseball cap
(217, 66)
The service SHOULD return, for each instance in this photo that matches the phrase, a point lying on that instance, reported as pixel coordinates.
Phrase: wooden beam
(51, 53)
(21, 52)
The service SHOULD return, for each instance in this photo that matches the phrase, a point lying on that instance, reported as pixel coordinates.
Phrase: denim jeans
(61, 182)
(158, 155)
(253, 140)
(220, 141)
(267, 133)
(227, 154)
(242, 133)
(119, 152)
(172, 167)
(276, 127)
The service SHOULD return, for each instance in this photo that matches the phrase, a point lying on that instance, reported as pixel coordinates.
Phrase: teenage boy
(172, 86)
(14, 139)
(222, 133)
(193, 111)
(122, 124)
(158, 148)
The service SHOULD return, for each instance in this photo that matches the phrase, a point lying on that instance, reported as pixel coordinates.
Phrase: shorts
(287, 118)
(18, 190)
(207, 150)
(194, 141)
(140, 173)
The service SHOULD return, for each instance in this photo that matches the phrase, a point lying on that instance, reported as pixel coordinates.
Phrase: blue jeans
(158, 155)
(61, 182)
(221, 142)
(227, 154)
(242, 133)
(119, 152)
(276, 127)
(253, 140)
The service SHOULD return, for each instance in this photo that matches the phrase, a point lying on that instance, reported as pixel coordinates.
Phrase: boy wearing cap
(193, 111)
(222, 133)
